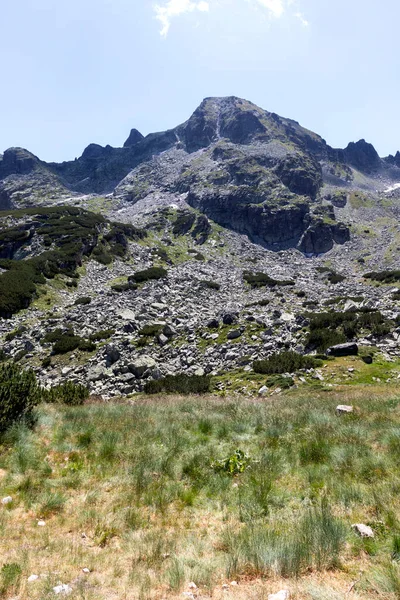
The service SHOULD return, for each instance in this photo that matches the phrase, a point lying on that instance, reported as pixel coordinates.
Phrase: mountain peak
(134, 137)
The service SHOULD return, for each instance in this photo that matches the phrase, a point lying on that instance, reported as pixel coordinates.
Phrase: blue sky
(81, 71)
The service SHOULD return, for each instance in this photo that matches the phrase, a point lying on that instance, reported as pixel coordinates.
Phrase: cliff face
(246, 168)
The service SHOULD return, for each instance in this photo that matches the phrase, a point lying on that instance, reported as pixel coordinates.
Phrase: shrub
(103, 334)
(148, 330)
(67, 341)
(69, 393)
(212, 285)
(148, 274)
(179, 384)
(262, 280)
(19, 394)
(285, 362)
(83, 300)
(232, 465)
(124, 287)
(383, 276)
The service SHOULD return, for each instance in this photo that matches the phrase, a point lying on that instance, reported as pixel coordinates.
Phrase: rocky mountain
(245, 168)
(219, 242)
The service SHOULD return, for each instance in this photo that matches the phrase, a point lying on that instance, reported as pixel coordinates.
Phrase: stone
(63, 588)
(169, 331)
(192, 586)
(363, 530)
(234, 334)
(263, 390)
(162, 339)
(228, 318)
(86, 570)
(139, 366)
(349, 349)
(344, 409)
(112, 354)
(281, 595)
(7, 500)
(32, 578)
(41, 523)
(126, 314)
(213, 324)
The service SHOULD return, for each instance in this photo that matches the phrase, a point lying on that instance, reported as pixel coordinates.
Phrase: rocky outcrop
(362, 156)
(134, 137)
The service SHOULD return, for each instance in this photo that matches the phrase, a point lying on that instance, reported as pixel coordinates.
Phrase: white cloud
(174, 8)
(302, 19)
(276, 7)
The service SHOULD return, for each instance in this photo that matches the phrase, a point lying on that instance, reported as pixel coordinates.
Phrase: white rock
(63, 588)
(188, 595)
(233, 583)
(33, 578)
(192, 586)
(344, 408)
(41, 523)
(85, 570)
(263, 390)
(7, 500)
(363, 530)
(281, 595)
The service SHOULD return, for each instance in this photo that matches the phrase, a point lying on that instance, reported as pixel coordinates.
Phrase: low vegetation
(179, 384)
(285, 362)
(330, 328)
(153, 495)
(383, 276)
(148, 275)
(257, 280)
(68, 235)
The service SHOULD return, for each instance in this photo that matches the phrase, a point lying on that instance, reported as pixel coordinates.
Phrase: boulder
(139, 366)
(344, 409)
(349, 349)
(112, 354)
(234, 334)
(363, 530)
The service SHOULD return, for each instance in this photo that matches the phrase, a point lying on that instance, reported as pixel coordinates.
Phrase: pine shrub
(19, 394)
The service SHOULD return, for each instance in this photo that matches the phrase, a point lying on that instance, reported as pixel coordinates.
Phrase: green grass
(168, 491)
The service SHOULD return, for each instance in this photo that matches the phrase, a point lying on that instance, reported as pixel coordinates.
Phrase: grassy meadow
(153, 494)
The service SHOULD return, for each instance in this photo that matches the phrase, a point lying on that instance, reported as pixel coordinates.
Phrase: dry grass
(129, 491)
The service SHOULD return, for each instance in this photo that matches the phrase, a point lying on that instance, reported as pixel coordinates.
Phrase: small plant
(232, 465)
(10, 577)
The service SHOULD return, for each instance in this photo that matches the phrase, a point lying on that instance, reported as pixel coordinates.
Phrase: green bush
(179, 384)
(285, 362)
(19, 394)
(148, 274)
(152, 330)
(212, 285)
(124, 287)
(259, 279)
(68, 393)
(331, 328)
(83, 300)
(103, 334)
(383, 276)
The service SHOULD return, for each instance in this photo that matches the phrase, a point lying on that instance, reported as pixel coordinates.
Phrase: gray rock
(139, 366)
(234, 334)
(350, 349)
